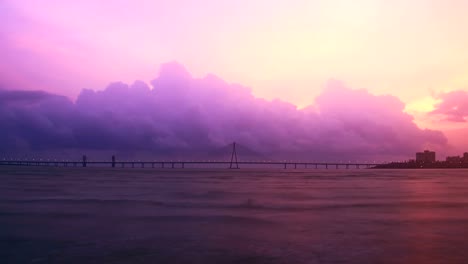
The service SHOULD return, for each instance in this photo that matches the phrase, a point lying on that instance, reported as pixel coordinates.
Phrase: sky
(290, 50)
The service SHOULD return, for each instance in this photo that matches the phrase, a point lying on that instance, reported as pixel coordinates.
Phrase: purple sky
(410, 56)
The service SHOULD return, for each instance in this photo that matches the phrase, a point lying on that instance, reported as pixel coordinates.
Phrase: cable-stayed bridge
(233, 163)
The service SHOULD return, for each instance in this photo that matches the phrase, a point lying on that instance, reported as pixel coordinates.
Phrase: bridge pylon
(234, 163)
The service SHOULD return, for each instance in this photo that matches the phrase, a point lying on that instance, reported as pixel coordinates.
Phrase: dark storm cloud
(188, 117)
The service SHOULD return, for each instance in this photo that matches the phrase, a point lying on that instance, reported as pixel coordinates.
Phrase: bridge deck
(182, 164)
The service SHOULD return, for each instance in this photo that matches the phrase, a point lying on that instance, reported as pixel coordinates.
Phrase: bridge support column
(113, 161)
(84, 161)
(285, 166)
(295, 165)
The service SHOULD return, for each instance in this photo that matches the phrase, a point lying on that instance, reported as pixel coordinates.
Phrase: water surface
(97, 215)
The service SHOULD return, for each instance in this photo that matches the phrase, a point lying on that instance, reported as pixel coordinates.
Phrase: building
(454, 159)
(426, 157)
(465, 157)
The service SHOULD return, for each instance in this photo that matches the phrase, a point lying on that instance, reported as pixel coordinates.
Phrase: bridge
(189, 164)
(234, 163)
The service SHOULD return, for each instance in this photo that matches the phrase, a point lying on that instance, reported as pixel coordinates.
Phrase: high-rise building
(426, 156)
(454, 159)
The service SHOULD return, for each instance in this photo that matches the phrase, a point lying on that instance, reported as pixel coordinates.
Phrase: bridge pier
(172, 164)
(285, 166)
(295, 165)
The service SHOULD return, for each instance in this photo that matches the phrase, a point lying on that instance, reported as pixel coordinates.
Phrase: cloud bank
(181, 116)
(453, 106)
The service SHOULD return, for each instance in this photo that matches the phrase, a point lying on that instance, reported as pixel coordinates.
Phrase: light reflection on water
(92, 215)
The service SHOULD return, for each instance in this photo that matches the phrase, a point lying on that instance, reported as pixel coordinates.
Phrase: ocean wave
(46, 214)
(248, 204)
(200, 195)
(206, 218)
(82, 201)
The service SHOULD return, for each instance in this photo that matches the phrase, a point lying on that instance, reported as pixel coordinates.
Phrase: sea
(105, 215)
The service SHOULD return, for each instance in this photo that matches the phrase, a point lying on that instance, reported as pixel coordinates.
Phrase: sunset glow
(413, 50)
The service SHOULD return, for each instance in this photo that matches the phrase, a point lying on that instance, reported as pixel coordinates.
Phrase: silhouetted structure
(426, 157)
(233, 163)
(454, 159)
(234, 157)
(193, 164)
(427, 160)
(84, 160)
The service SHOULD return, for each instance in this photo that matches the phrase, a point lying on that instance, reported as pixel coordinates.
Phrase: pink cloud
(453, 106)
(181, 116)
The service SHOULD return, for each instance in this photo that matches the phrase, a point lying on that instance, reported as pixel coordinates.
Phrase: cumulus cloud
(182, 116)
(453, 106)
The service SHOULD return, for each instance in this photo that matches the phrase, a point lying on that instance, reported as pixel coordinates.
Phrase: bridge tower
(234, 158)
(85, 160)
